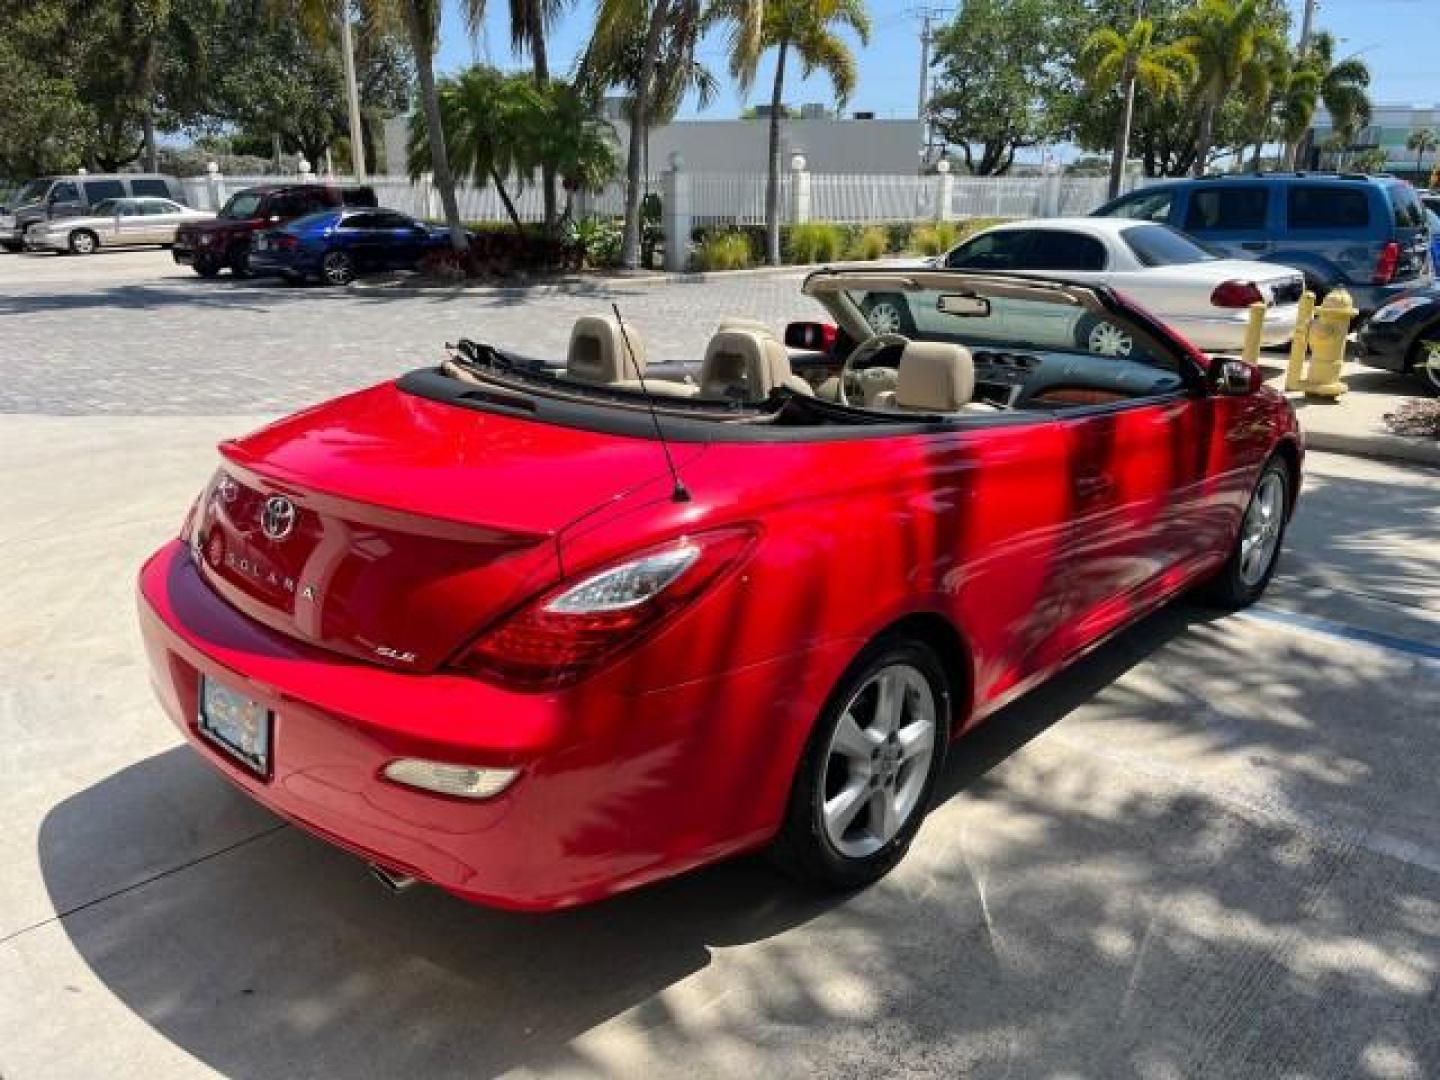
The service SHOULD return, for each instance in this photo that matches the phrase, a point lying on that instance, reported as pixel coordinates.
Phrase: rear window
(97, 190)
(1160, 245)
(1055, 249)
(1327, 206)
(1224, 209)
(1409, 214)
(150, 185)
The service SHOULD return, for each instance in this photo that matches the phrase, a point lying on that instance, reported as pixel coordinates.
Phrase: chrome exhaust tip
(393, 882)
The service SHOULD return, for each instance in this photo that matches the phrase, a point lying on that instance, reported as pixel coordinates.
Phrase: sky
(1398, 39)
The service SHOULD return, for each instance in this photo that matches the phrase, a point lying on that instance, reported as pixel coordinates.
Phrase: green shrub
(815, 241)
(929, 240)
(898, 235)
(600, 239)
(870, 243)
(723, 251)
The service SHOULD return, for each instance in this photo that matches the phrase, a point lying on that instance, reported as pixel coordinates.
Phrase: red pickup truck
(224, 241)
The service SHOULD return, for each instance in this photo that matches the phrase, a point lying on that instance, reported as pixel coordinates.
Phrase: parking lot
(1211, 848)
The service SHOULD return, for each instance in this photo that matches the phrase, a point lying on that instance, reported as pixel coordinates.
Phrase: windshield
(242, 206)
(1160, 245)
(34, 190)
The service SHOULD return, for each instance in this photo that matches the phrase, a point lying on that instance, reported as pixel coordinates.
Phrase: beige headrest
(746, 365)
(736, 322)
(599, 352)
(935, 377)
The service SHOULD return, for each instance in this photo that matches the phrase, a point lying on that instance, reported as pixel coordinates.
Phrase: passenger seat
(599, 352)
(746, 365)
(935, 377)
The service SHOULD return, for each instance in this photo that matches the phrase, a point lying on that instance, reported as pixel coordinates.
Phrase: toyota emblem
(277, 517)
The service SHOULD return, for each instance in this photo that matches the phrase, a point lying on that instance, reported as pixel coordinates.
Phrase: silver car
(114, 223)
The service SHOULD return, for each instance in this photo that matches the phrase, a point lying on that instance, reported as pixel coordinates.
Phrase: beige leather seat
(934, 376)
(739, 322)
(746, 365)
(599, 352)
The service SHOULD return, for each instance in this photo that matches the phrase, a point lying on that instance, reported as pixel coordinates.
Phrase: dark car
(223, 242)
(1365, 233)
(50, 197)
(338, 245)
(1404, 336)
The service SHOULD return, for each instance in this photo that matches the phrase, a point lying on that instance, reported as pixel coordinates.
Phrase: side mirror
(1236, 378)
(810, 335)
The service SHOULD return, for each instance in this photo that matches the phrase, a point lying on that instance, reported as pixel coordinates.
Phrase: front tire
(869, 771)
(206, 266)
(888, 313)
(1102, 338)
(84, 242)
(1256, 553)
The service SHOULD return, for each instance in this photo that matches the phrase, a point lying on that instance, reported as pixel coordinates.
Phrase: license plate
(239, 726)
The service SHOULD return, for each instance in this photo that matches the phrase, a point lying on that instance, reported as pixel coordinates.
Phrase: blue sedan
(338, 245)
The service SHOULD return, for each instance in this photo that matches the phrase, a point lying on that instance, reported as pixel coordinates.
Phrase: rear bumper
(614, 790)
(1225, 333)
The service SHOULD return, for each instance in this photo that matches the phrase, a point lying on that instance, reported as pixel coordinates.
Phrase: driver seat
(599, 352)
(746, 365)
(934, 377)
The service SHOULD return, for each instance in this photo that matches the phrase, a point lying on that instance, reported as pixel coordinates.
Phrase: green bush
(870, 243)
(815, 241)
(600, 239)
(929, 240)
(723, 251)
(898, 235)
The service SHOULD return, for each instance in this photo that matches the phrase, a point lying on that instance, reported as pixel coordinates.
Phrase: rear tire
(869, 770)
(337, 268)
(1256, 552)
(12, 246)
(206, 266)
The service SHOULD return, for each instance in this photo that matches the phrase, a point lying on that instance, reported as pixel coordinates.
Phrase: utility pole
(928, 17)
(352, 94)
(1307, 23)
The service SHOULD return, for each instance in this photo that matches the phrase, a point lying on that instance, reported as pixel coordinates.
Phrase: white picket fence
(738, 198)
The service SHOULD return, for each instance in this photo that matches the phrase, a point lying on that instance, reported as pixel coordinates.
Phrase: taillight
(1386, 265)
(562, 635)
(1236, 294)
(286, 242)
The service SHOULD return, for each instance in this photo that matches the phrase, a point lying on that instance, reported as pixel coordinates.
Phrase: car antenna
(680, 493)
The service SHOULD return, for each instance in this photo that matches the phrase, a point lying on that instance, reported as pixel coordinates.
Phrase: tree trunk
(421, 47)
(1122, 133)
(1202, 140)
(540, 61)
(772, 179)
(639, 129)
(150, 156)
(499, 182)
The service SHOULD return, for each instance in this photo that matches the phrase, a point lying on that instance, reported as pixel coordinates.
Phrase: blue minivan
(1366, 233)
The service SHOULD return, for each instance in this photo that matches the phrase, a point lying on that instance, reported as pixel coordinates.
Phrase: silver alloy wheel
(1107, 339)
(338, 269)
(82, 243)
(885, 318)
(1260, 534)
(1430, 363)
(878, 761)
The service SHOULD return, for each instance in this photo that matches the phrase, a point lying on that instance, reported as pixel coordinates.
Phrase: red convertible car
(538, 633)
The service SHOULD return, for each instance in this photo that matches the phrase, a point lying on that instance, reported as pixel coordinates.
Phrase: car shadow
(282, 956)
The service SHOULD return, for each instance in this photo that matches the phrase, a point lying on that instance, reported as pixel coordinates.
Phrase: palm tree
(809, 28)
(572, 142)
(1343, 85)
(1420, 140)
(1263, 82)
(1223, 36)
(530, 22)
(1132, 59)
(666, 32)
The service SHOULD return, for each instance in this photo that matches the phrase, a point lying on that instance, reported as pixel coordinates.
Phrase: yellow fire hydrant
(1327, 345)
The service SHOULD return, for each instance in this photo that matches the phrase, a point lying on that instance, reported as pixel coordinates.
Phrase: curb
(1380, 446)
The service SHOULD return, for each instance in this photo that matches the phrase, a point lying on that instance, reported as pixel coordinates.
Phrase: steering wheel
(867, 349)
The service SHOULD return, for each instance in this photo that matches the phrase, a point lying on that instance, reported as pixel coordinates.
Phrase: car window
(1227, 208)
(243, 206)
(316, 199)
(106, 208)
(96, 190)
(288, 205)
(158, 206)
(999, 250)
(391, 219)
(318, 217)
(1326, 206)
(128, 208)
(150, 185)
(1144, 206)
(1160, 245)
(65, 191)
(1409, 214)
(360, 221)
(1059, 249)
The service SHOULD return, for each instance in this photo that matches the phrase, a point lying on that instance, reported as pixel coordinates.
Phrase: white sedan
(114, 223)
(1202, 296)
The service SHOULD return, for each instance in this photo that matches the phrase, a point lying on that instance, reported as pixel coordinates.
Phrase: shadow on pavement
(1084, 928)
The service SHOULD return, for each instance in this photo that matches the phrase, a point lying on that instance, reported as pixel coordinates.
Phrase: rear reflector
(1387, 263)
(463, 781)
(1236, 294)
